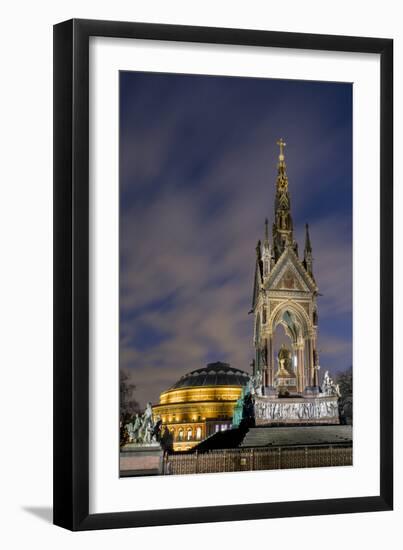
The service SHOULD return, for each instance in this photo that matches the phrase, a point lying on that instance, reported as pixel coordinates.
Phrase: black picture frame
(71, 274)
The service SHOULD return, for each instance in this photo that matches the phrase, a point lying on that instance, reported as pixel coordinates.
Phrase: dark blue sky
(198, 161)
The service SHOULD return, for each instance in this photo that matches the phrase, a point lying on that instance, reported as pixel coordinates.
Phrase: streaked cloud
(198, 165)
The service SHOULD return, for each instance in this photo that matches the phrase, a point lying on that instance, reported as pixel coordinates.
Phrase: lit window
(198, 432)
(189, 434)
(223, 427)
(180, 435)
(217, 427)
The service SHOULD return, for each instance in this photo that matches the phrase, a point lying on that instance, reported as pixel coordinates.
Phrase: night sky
(198, 160)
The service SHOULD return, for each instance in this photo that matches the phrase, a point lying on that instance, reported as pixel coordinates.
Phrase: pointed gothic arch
(288, 312)
(298, 327)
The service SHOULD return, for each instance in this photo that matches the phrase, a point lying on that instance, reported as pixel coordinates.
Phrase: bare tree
(345, 381)
(128, 404)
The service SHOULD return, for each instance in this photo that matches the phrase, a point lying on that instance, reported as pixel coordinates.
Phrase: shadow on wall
(44, 513)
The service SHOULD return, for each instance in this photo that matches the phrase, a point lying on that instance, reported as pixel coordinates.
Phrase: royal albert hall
(200, 403)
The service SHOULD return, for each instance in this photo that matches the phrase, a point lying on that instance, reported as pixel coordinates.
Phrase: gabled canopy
(290, 274)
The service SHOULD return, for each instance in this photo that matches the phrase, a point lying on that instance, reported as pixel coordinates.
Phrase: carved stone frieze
(291, 410)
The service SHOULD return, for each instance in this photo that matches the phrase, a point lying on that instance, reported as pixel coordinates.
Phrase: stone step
(297, 435)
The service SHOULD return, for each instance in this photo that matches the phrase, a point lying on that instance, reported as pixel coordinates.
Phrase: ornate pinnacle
(308, 247)
(258, 250)
(308, 252)
(282, 180)
(266, 230)
(281, 143)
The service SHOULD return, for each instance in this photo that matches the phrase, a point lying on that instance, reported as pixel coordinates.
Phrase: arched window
(180, 434)
(198, 432)
(189, 434)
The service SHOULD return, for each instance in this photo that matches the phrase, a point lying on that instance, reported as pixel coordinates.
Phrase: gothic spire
(283, 226)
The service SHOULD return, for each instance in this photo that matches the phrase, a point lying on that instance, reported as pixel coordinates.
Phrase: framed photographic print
(223, 317)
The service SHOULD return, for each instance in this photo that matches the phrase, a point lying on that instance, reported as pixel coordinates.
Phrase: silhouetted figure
(167, 441)
(156, 432)
(248, 415)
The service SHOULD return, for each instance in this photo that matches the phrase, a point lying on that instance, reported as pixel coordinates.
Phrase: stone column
(265, 375)
(309, 369)
(294, 347)
(311, 365)
(316, 376)
(270, 365)
(315, 380)
(300, 367)
(268, 373)
(316, 366)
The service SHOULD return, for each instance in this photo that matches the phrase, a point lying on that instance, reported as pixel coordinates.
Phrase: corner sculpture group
(143, 431)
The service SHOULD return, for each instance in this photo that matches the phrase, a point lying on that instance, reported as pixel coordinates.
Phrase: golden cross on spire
(281, 143)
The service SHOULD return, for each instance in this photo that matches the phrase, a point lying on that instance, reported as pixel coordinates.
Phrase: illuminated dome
(200, 403)
(214, 374)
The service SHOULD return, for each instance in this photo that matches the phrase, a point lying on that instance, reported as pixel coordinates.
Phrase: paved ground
(297, 435)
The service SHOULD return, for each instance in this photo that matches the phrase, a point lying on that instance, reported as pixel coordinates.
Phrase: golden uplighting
(193, 413)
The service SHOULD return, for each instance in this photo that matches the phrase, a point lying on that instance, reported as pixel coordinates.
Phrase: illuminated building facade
(201, 403)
